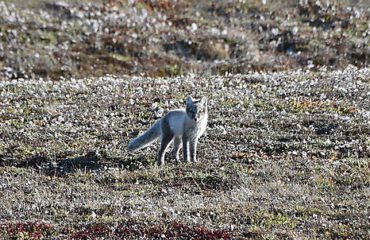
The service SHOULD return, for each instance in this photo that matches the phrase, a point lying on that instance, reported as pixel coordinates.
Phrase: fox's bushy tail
(151, 135)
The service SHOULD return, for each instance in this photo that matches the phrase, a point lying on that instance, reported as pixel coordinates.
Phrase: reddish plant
(175, 230)
(34, 230)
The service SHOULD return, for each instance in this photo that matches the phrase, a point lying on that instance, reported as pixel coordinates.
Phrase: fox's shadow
(61, 167)
(90, 162)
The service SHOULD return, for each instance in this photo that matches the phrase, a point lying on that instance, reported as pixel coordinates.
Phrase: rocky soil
(286, 156)
(50, 39)
(287, 150)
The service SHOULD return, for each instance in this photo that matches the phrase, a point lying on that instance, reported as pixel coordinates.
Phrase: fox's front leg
(193, 150)
(185, 148)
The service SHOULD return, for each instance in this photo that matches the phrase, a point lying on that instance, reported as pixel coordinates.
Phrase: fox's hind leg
(176, 148)
(166, 140)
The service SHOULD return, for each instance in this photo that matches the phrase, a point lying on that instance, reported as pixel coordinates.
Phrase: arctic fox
(180, 126)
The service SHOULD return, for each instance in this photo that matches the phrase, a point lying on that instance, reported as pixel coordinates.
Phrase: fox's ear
(189, 100)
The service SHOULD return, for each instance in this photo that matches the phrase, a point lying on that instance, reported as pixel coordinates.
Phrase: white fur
(176, 119)
(179, 125)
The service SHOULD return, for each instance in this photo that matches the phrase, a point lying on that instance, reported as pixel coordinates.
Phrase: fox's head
(196, 109)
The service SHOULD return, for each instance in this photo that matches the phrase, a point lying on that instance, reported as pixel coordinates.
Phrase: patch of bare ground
(286, 156)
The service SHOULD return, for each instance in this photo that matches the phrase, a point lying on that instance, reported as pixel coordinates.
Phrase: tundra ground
(286, 156)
